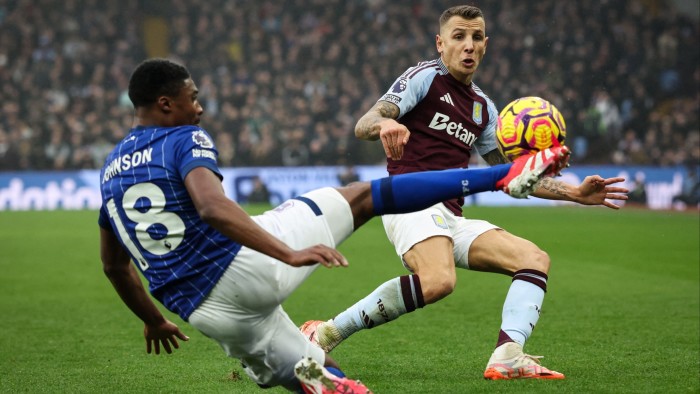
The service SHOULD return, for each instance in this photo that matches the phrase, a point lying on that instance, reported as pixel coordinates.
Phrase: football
(528, 125)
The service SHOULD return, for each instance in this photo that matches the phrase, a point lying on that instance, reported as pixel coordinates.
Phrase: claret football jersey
(447, 120)
(145, 203)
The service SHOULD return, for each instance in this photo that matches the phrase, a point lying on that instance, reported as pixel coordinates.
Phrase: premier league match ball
(528, 125)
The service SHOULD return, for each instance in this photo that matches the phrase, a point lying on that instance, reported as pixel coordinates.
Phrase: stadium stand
(283, 83)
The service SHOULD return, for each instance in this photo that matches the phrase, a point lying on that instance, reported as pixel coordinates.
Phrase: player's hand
(165, 334)
(394, 137)
(319, 254)
(595, 190)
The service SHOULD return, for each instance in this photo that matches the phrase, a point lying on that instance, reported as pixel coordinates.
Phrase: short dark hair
(465, 11)
(154, 78)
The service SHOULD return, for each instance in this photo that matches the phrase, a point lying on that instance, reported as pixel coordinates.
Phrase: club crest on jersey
(202, 139)
(283, 206)
(400, 85)
(477, 113)
(439, 221)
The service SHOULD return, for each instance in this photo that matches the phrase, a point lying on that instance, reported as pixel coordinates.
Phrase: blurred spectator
(226, 148)
(282, 83)
(8, 159)
(295, 151)
(638, 192)
(57, 149)
(629, 150)
(259, 194)
(690, 193)
(348, 175)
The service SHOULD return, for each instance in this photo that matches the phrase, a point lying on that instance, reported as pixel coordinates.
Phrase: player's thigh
(465, 232)
(334, 211)
(301, 222)
(257, 282)
(321, 216)
(284, 347)
(431, 226)
(432, 259)
(268, 344)
(500, 251)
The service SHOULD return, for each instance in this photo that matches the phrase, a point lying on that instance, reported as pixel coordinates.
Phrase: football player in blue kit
(225, 272)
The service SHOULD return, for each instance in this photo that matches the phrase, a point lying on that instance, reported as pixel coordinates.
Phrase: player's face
(186, 109)
(462, 44)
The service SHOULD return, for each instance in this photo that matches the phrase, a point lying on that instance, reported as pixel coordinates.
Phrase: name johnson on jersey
(126, 162)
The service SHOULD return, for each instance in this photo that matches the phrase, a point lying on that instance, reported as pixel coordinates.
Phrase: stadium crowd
(283, 83)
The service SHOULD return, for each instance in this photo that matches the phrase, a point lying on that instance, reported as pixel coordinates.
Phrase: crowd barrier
(80, 189)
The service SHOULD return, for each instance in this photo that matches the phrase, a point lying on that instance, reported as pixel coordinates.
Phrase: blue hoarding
(80, 189)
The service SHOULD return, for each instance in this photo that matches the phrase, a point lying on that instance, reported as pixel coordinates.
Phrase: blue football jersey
(145, 203)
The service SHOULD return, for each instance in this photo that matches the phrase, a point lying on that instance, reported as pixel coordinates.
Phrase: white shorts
(408, 229)
(243, 312)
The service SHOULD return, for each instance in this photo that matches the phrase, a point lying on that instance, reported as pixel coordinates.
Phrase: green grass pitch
(622, 313)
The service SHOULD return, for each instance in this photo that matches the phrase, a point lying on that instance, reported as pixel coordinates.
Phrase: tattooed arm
(552, 189)
(594, 190)
(368, 127)
(380, 123)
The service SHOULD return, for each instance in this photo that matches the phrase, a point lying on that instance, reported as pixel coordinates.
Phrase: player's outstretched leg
(509, 362)
(315, 379)
(418, 190)
(391, 300)
(522, 177)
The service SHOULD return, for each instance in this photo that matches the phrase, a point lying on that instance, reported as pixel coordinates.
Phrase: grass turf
(622, 313)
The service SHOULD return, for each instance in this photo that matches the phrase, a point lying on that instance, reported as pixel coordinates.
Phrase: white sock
(386, 303)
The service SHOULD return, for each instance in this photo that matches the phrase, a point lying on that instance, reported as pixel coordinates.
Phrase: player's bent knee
(538, 260)
(437, 287)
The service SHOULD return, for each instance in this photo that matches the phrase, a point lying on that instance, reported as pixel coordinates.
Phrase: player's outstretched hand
(320, 254)
(166, 334)
(596, 190)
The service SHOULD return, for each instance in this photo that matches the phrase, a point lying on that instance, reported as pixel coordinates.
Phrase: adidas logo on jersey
(448, 99)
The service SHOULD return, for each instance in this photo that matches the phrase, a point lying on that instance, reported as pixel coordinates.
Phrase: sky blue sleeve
(487, 141)
(410, 88)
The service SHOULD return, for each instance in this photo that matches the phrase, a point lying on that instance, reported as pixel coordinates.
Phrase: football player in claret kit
(434, 117)
(226, 273)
